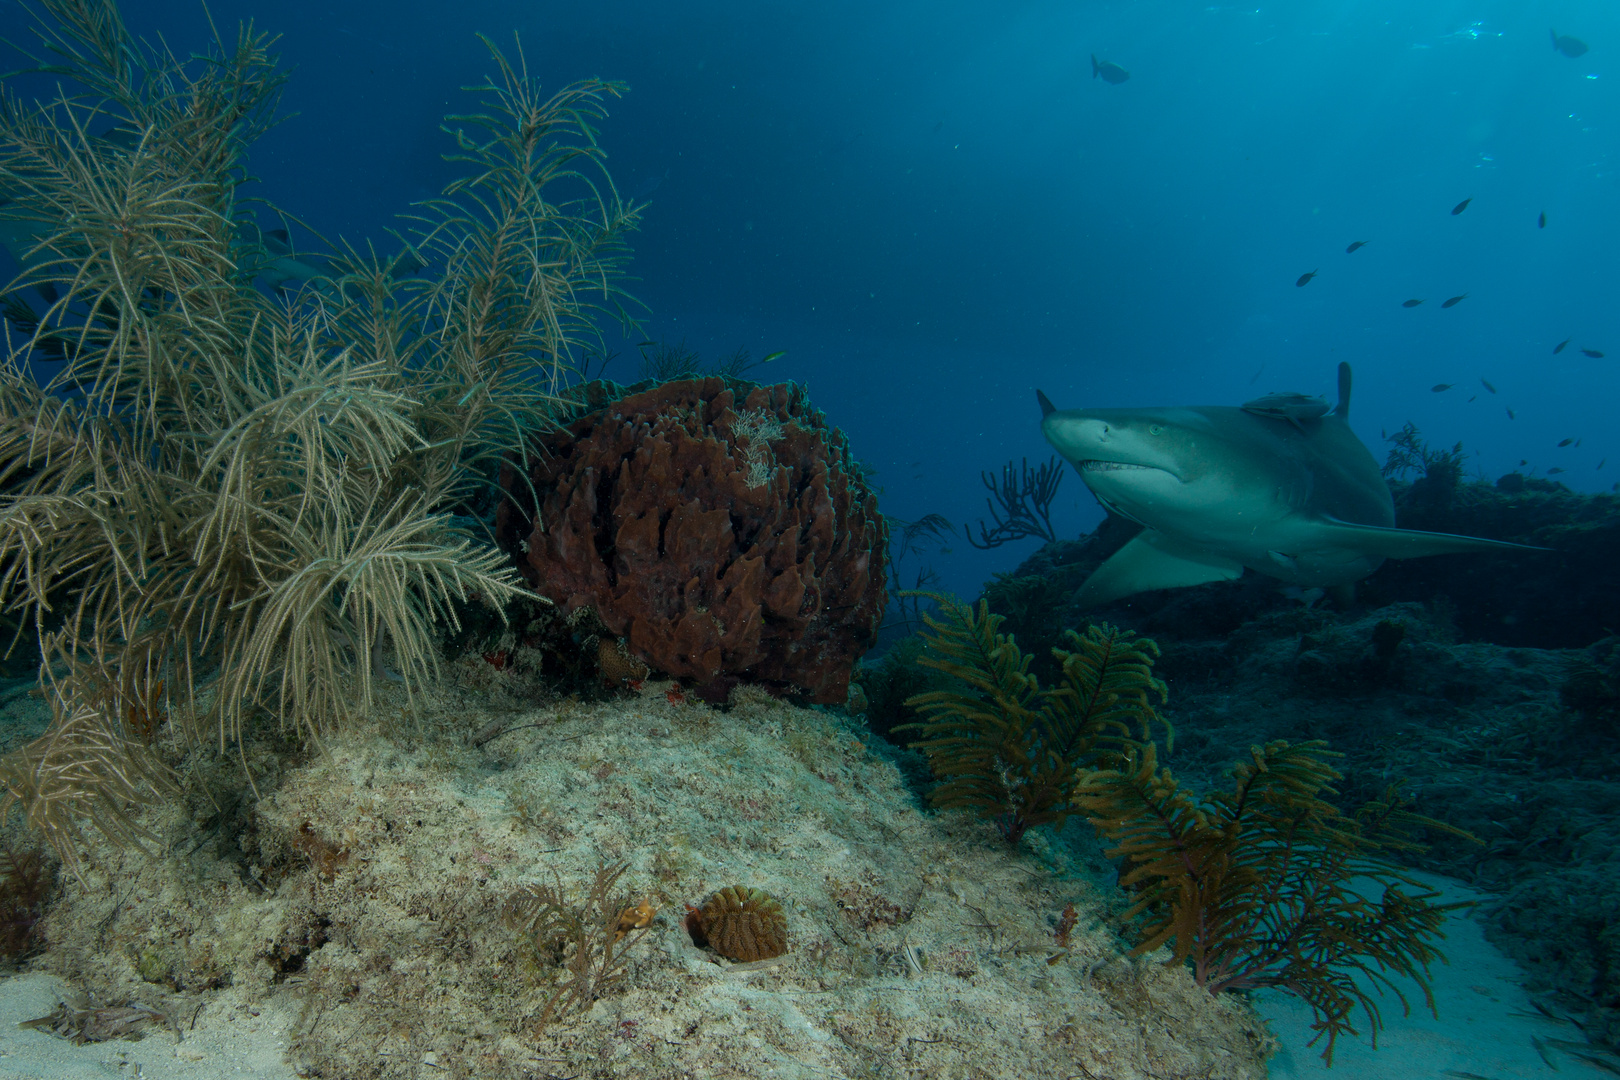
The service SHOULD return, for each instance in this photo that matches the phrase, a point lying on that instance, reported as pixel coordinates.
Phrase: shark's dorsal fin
(1342, 410)
(1047, 408)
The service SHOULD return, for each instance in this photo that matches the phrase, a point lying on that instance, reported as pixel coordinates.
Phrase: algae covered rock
(364, 916)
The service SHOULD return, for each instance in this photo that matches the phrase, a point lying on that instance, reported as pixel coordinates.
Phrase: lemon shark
(1281, 486)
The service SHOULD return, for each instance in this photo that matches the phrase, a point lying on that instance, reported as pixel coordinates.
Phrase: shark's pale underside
(1281, 486)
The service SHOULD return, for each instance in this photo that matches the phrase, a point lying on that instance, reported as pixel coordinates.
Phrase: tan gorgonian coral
(245, 500)
(585, 942)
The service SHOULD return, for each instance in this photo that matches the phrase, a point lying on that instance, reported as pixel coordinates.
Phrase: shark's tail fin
(1096, 68)
(1342, 410)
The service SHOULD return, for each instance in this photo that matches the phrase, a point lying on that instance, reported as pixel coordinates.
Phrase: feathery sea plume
(225, 505)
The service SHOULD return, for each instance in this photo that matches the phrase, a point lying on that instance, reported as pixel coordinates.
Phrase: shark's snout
(1076, 437)
(1097, 445)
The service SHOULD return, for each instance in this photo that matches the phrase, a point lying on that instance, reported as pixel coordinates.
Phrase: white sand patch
(1486, 1027)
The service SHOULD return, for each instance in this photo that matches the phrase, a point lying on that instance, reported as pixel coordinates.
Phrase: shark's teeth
(1108, 466)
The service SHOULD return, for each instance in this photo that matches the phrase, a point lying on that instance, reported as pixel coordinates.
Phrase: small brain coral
(741, 924)
(722, 529)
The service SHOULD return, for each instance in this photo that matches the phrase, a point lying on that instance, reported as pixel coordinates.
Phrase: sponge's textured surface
(723, 529)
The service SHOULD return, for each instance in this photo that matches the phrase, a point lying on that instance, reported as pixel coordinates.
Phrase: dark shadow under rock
(1562, 599)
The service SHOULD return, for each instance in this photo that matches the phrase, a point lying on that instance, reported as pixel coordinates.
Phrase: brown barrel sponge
(724, 530)
(740, 924)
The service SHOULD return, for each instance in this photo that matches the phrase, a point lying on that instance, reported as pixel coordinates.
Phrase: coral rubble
(721, 528)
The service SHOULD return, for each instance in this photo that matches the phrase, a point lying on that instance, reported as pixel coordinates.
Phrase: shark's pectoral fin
(1153, 560)
(1410, 543)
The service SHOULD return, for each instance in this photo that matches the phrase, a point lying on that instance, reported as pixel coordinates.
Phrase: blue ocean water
(937, 208)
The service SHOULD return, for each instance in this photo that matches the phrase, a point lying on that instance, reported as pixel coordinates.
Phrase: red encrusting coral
(722, 529)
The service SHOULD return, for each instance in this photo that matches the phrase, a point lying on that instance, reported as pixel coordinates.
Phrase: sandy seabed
(354, 926)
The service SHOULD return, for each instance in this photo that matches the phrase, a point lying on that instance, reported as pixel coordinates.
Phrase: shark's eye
(1155, 429)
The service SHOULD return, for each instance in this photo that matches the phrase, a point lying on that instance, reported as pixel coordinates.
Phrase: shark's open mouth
(1111, 466)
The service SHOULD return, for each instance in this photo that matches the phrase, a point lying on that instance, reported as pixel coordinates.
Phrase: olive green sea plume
(1265, 885)
(225, 505)
(1269, 885)
(1007, 748)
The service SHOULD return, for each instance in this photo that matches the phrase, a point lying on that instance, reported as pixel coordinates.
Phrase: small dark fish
(1455, 300)
(1541, 222)
(1602, 463)
(1474, 398)
(1555, 470)
(1571, 47)
(1523, 462)
(1564, 442)
(1558, 348)
(645, 189)
(1440, 388)
(1411, 303)
(1108, 71)
(1460, 207)
(774, 356)
(122, 137)
(1577, 444)
(1593, 353)
(1487, 385)
(1354, 244)
(1304, 280)
(1513, 416)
